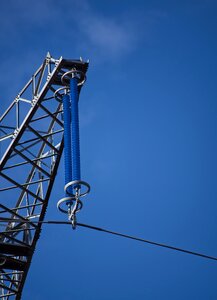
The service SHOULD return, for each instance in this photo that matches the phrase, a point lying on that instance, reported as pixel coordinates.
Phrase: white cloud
(56, 24)
(108, 36)
(115, 35)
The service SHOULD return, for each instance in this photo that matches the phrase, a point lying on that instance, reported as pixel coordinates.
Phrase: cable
(148, 241)
(118, 234)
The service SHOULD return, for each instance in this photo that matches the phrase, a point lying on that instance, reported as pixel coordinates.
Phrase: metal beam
(31, 199)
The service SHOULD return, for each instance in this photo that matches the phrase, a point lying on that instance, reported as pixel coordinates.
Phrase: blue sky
(148, 144)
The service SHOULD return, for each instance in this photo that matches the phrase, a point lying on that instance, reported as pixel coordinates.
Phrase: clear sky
(148, 116)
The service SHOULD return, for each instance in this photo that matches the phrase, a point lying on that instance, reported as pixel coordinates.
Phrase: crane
(32, 142)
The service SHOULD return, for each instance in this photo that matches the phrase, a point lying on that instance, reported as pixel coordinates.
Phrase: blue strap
(76, 169)
(67, 140)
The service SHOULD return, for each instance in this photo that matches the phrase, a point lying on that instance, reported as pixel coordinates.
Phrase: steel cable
(118, 234)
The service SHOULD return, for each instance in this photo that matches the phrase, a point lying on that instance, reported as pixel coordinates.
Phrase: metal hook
(72, 211)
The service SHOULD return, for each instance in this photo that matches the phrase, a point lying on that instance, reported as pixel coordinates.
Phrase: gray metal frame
(32, 143)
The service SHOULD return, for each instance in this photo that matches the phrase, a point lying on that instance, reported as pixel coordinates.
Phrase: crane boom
(31, 143)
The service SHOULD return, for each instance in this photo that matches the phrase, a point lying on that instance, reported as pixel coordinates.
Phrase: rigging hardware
(74, 186)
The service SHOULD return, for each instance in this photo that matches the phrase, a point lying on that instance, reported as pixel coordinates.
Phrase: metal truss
(31, 141)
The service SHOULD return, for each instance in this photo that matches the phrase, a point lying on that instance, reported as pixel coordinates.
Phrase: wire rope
(119, 234)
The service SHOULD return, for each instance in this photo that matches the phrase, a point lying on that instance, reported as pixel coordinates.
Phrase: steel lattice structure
(31, 145)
